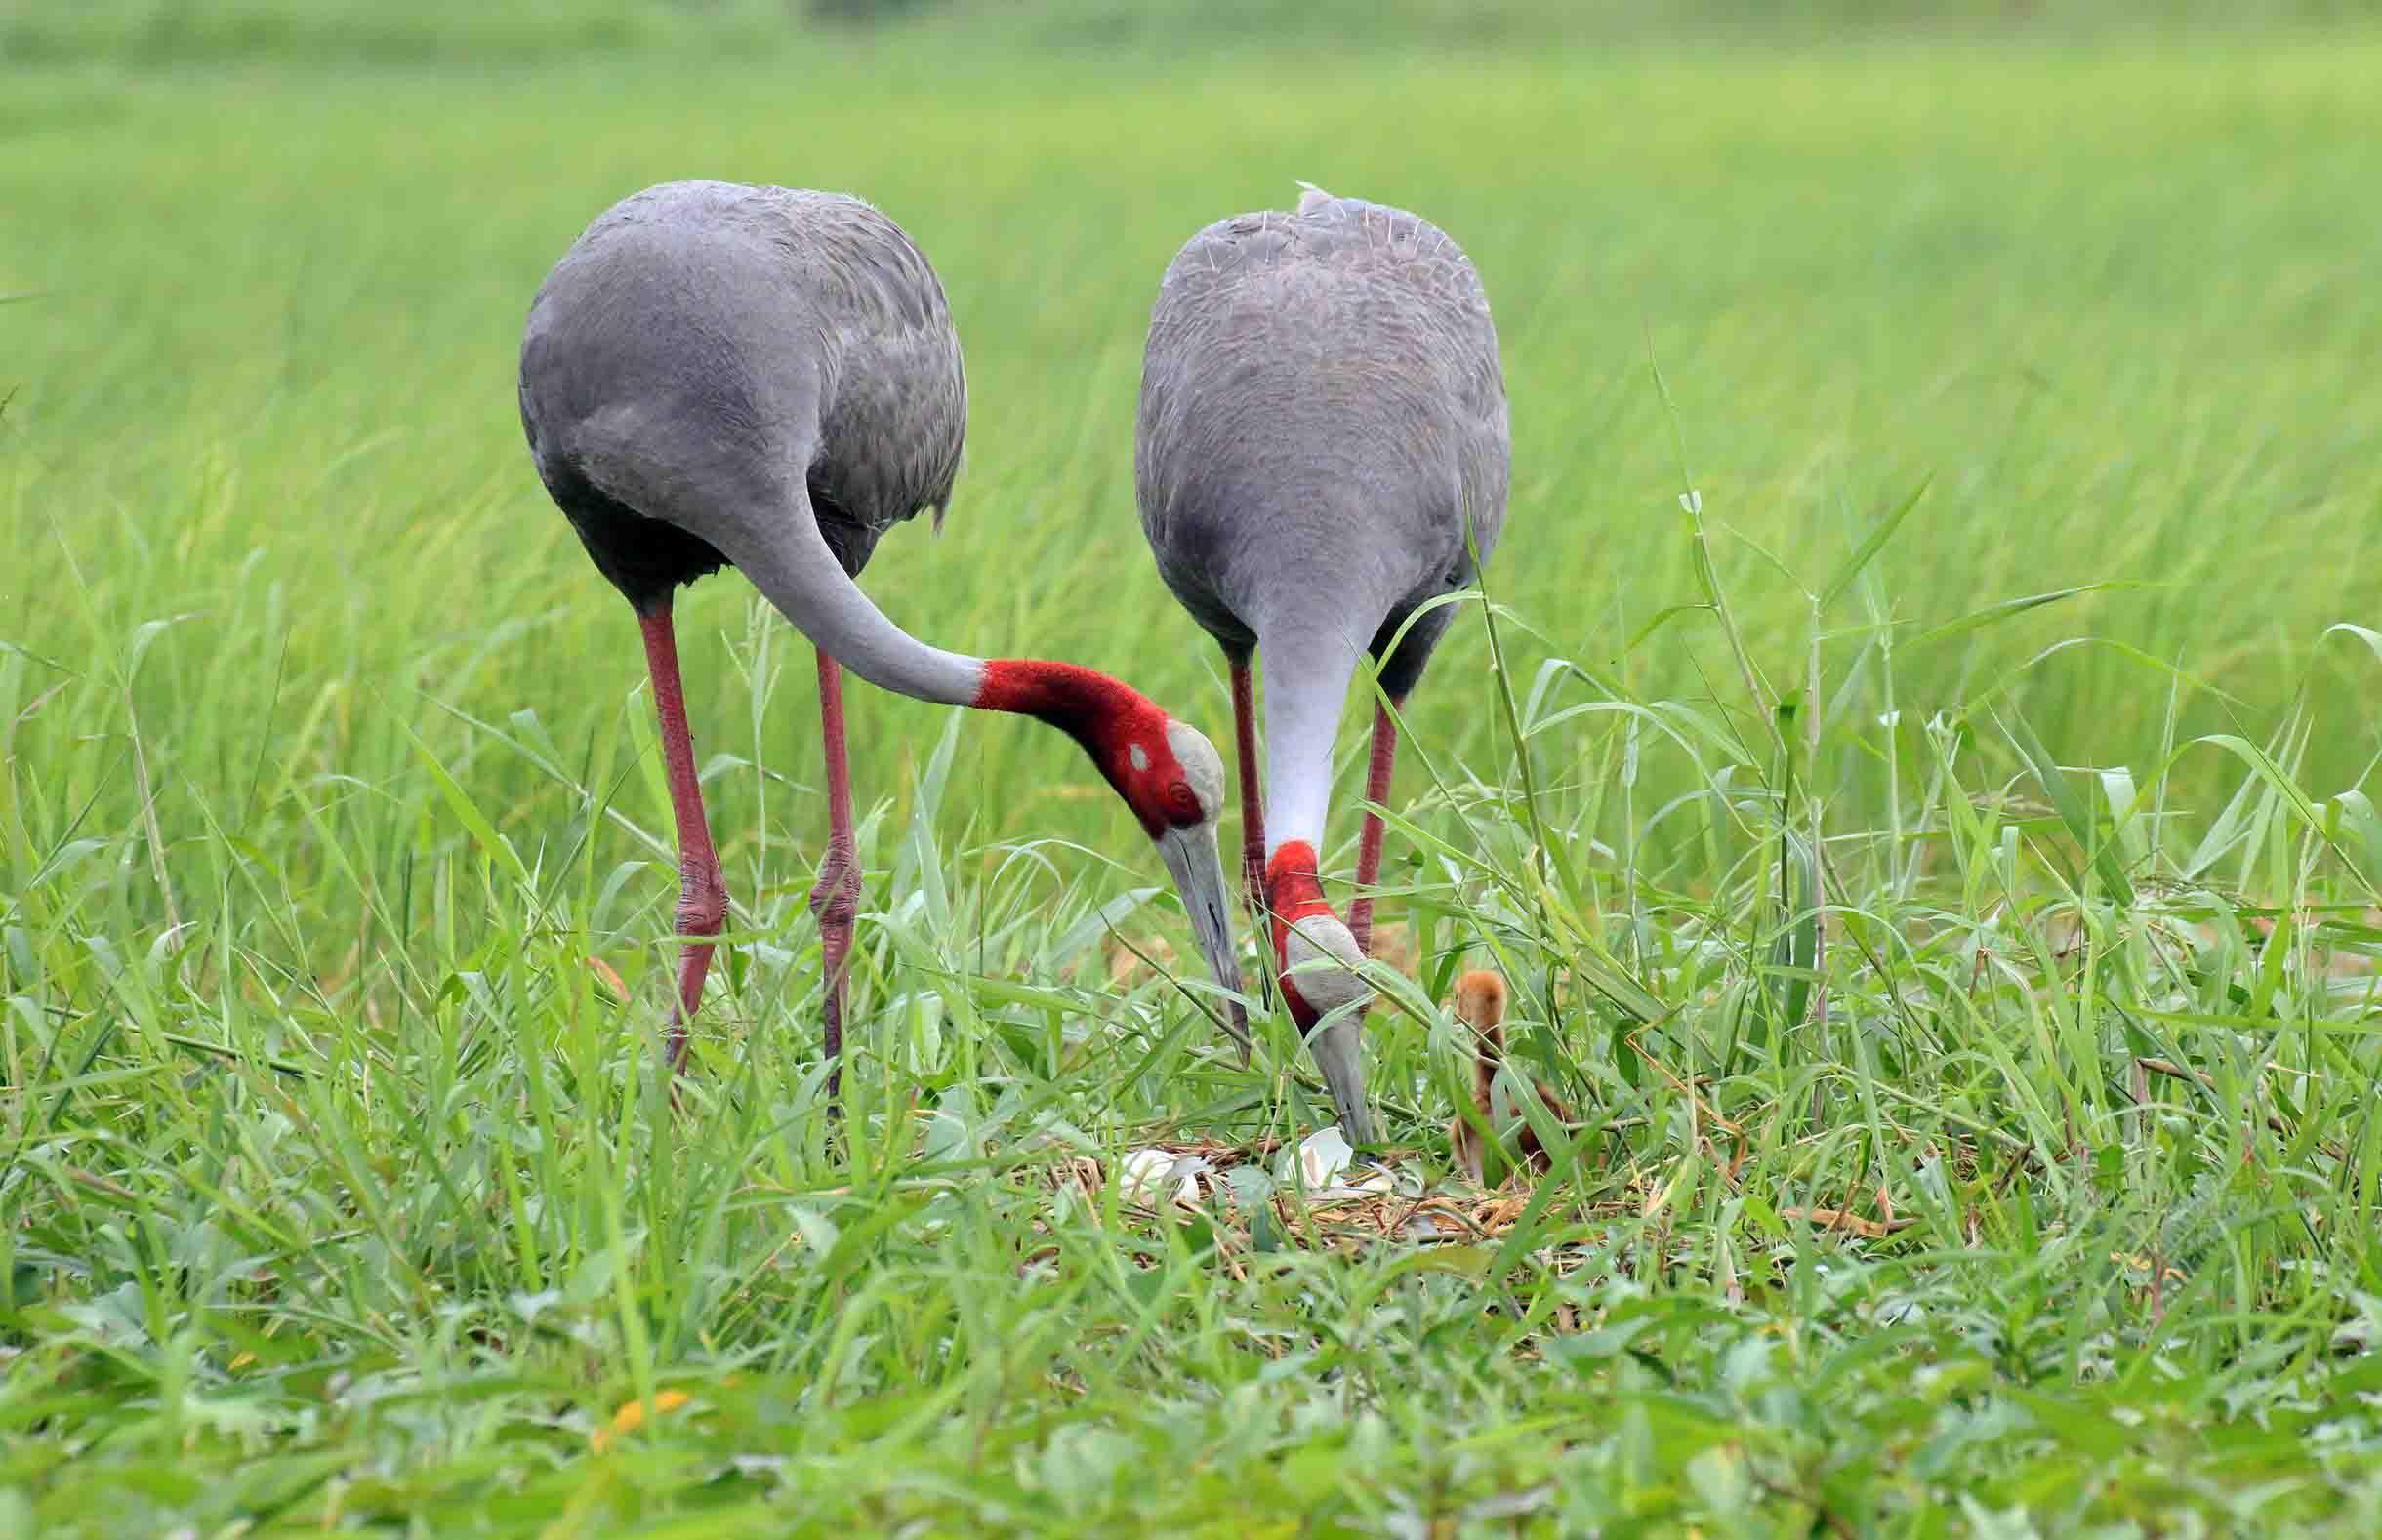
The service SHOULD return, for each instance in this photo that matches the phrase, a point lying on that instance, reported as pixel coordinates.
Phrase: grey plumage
(720, 374)
(1323, 449)
(1323, 410)
(706, 346)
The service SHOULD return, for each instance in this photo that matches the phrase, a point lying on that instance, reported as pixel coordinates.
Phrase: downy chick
(1480, 1004)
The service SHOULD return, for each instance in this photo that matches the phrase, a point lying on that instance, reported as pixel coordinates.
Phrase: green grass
(339, 1190)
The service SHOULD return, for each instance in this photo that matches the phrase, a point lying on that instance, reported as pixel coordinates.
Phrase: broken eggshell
(1151, 1176)
(1324, 1164)
(1319, 1159)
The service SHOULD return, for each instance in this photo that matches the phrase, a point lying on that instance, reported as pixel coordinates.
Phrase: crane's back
(705, 349)
(1323, 415)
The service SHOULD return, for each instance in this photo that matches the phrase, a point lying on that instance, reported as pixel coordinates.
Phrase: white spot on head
(1202, 766)
(1140, 758)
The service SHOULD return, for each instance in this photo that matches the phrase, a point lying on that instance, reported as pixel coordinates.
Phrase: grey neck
(1306, 685)
(792, 567)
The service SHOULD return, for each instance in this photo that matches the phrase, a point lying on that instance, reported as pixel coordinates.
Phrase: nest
(1255, 1198)
(1270, 1197)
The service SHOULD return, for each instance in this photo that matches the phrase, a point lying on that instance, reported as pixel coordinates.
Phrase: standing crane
(718, 375)
(1323, 450)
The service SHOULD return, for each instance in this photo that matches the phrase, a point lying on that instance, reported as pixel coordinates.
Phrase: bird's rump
(706, 348)
(1331, 370)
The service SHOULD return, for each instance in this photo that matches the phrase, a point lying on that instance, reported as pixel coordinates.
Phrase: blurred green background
(457, 30)
(2101, 279)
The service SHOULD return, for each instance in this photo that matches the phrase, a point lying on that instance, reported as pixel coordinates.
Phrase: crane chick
(1480, 1004)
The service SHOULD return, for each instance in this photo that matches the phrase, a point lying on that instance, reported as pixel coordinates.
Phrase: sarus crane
(720, 374)
(1322, 450)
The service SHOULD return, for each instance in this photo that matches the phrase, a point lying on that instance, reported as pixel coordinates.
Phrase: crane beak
(1335, 1043)
(1191, 858)
(1328, 997)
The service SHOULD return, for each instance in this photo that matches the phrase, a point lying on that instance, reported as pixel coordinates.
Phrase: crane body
(721, 375)
(1323, 449)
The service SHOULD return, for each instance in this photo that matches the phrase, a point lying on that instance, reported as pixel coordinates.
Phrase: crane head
(1178, 793)
(1317, 960)
(1166, 772)
(1479, 1003)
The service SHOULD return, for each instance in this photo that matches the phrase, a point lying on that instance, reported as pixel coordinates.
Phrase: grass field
(1964, 824)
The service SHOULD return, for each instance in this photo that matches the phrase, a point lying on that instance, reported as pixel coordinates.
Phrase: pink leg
(703, 899)
(836, 900)
(1369, 843)
(1253, 817)
(1253, 794)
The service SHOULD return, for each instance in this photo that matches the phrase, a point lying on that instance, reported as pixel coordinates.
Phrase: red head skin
(1166, 772)
(1294, 893)
(1111, 720)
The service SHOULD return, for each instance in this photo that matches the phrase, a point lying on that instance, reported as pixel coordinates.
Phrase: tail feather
(1311, 197)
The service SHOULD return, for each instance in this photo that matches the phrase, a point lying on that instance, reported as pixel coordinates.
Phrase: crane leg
(1253, 814)
(836, 900)
(703, 899)
(1369, 843)
(1252, 793)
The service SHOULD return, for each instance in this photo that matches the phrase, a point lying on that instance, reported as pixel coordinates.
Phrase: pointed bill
(1330, 1000)
(1191, 858)
(1337, 1046)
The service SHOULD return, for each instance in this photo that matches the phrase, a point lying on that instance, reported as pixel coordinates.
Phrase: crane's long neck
(1307, 669)
(794, 570)
(1306, 683)
(787, 559)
